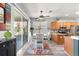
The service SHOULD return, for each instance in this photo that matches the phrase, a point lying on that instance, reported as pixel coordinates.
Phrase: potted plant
(7, 35)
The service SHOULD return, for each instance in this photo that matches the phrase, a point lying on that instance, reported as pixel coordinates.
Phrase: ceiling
(58, 9)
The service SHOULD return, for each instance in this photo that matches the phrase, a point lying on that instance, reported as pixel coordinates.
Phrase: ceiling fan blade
(47, 16)
(36, 18)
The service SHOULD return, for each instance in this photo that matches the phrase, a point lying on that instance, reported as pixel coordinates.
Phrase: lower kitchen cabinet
(12, 48)
(3, 49)
(8, 48)
(59, 39)
(68, 45)
(71, 45)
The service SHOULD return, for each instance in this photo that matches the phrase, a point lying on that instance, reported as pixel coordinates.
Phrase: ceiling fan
(42, 17)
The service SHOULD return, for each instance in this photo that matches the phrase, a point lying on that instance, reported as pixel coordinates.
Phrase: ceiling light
(66, 15)
(50, 11)
(77, 12)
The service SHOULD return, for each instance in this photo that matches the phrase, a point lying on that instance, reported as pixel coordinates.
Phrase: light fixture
(77, 12)
(50, 11)
(66, 15)
(41, 16)
(34, 34)
(45, 34)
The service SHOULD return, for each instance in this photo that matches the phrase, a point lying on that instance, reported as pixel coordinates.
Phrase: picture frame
(2, 18)
(1, 15)
(2, 12)
(7, 13)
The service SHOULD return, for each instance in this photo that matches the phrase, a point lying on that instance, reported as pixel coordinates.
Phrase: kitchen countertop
(75, 37)
(56, 33)
(4, 40)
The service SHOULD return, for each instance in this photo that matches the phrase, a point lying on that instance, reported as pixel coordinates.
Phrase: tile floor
(57, 50)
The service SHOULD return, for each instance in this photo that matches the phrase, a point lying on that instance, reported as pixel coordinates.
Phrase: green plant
(7, 35)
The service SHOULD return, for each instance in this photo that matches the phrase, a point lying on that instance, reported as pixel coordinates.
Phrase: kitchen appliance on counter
(74, 30)
(62, 30)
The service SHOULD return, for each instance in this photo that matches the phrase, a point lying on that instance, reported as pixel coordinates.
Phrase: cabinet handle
(3, 45)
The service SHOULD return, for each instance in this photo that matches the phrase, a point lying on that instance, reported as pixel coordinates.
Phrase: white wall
(66, 20)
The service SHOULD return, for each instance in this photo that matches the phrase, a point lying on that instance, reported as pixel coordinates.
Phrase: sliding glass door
(25, 31)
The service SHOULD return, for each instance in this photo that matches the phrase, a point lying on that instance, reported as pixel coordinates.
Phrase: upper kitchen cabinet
(55, 25)
(74, 23)
(52, 25)
(68, 24)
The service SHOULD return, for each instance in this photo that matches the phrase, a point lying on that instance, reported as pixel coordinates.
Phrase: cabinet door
(68, 45)
(8, 48)
(60, 39)
(3, 50)
(55, 38)
(11, 48)
(53, 25)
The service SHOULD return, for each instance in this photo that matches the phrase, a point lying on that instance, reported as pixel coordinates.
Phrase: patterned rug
(57, 50)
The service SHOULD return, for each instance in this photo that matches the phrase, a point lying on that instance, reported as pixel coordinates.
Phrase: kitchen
(39, 25)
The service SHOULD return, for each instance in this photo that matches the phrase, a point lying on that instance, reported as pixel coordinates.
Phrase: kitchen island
(58, 38)
(71, 45)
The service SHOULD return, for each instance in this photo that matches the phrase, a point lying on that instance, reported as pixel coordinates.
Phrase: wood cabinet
(59, 39)
(53, 25)
(57, 25)
(68, 45)
(71, 45)
(68, 24)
